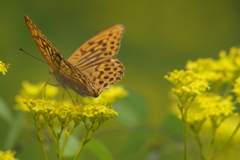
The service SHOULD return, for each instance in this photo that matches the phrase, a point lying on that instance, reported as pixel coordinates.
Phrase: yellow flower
(88, 111)
(20, 105)
(65, 113)
(110, 96)
(31, 91)
(8, 155)
(236, 88)
(110, 113)
(3, 67)
(187, 84)
(207, 68)
(214, 105)
(67, 133)
(97, 111)
(208, 106)
(222, 71)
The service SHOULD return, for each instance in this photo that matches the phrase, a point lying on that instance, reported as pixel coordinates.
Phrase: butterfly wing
(64, 72)
(95, 58)
(46, 48)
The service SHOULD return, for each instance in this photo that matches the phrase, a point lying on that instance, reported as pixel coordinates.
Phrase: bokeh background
(160, 36)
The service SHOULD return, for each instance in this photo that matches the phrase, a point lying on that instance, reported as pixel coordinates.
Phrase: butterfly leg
(69, 96)
(77, 99)
(43, 90)
(63, 96)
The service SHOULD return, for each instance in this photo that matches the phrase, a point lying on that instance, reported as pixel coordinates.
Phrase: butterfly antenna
(32, 55)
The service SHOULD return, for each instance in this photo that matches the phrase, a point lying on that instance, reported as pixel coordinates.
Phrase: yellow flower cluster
(236, 89)
(110, 96)
(3, 67)
(221, 71)
(30, 91)
(187, 84)
(215, 105)
(211, 115)
(210, 106)
(65, 115)
(8, 155)
(198, 105)
(98, 111)
(47, 112)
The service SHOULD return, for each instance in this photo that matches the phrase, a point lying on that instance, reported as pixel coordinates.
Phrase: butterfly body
(91, 68)
(78, 84)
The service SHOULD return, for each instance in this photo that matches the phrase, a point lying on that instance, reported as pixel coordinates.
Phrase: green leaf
(132, 110)
(99, 150)
(14, 123)
(135, 141)
(5, 113)
(14, 130)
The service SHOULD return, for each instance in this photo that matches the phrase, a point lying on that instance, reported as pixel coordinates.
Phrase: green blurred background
(160, 36)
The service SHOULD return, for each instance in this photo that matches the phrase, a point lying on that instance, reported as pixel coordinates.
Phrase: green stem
(80, 151)
(185, 136)
(39, 127)
(57, 139)
(184, 111)
(84, 142)
(39, 135)
(59, 151)
(65, 141)
(227, 91)
(210, 148)
(40, 138)
(229, 140)
(200, 145)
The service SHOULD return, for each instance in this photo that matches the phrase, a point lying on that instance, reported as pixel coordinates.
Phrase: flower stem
(65, 141)
(40, 139)
(185, 138)
(210, 148)
(59, 151)
(84, 142)
(199, 144)
(57, 139)
(39, 127)
(229, 140)
(184, 111)
(43, 151)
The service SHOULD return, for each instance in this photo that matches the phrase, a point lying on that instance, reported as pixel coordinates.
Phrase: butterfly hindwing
(109, 72)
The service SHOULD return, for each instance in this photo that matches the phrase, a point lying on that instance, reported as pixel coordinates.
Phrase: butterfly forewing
(44, 45)
(91, 67)
(101, 47)
(95, 58)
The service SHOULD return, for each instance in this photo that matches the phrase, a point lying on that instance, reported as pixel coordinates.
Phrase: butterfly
(91, 68)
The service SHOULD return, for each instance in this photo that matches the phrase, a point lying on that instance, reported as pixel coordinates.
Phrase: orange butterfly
(91, 68)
